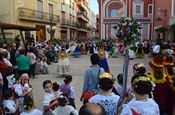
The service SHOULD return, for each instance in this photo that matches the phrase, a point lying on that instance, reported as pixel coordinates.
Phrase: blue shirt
(91, 79)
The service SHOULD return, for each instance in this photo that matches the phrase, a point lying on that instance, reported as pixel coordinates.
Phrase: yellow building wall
(9, 14)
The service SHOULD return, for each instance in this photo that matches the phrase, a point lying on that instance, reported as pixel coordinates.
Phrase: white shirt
(10, 104)
(109, 103)
(18, 88)
(10, 80)
(47, 98)
(156, 49)
(65, 110)
(7, 62)
(148, 107)
(34, 112)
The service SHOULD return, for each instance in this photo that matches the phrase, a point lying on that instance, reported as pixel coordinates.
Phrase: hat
(106, 75)
(137, 66)
(102, 53)
(63, 54)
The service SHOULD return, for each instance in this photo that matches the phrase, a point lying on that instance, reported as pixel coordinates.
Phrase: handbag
(88, 95)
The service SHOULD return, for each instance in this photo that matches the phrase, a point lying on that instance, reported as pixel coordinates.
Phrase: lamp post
(158, 14)
(51, 30)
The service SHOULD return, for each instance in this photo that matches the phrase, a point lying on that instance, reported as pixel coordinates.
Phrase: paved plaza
(78, 67)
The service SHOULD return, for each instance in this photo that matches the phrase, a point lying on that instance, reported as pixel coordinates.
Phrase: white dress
(63, 66)
(109, 103)
(65, 110)
(148, 107)
(34, 112)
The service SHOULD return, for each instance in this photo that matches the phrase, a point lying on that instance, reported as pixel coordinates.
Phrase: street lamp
(158, 14)
(51, 29)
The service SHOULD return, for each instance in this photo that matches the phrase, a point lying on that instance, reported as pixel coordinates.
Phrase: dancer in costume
(84, 48)
(141, 104)
(139, 50)
(77, 51)
(131, 52)
(162, 74)
(63, 67)
(103, 61)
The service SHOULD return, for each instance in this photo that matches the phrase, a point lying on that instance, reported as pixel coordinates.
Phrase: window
(138, 9)
(70, 5)
(51, 11)
(73, 5)
(150, 9)
(39, 9)
(113, 13)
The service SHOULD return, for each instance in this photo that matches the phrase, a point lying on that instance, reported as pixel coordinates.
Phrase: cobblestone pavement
(78, 67)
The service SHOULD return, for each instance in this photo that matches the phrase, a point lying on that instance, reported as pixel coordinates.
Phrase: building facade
(33, 13)
(92, 24)
(110, 11)
(164, 18)
(68, 23)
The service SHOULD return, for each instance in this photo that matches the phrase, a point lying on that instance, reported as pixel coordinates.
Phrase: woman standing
(22, 62)
(32, 59)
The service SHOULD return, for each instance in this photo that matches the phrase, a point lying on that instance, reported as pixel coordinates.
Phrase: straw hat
(63, 54)
(102, 53)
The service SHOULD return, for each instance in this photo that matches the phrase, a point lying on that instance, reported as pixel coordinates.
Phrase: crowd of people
(19, 63)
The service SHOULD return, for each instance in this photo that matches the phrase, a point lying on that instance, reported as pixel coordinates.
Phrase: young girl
(119, 87)
(63, 64)
(56, 90)
(64, 109)
(19, 93)
(44, 66)
(25, 82)
(106, 98)
(9, 106)
(28, 106)
(48, 98)
(10, 77)
(141, 104)
(68, 89)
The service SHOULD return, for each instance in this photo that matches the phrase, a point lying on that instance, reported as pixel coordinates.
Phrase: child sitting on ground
(56, 89)
(9, 106)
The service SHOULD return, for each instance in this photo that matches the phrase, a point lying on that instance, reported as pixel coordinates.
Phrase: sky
(94, 6)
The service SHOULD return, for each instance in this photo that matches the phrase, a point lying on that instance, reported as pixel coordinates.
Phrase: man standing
(91, 78)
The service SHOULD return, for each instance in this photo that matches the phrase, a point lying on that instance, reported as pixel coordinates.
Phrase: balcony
(34, 15)
(82, 5)
(82, 27)
(69, 23)
(83, 17)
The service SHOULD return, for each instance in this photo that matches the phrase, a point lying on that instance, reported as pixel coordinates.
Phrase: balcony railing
(34, 15)
(83, 16)
(66, 23)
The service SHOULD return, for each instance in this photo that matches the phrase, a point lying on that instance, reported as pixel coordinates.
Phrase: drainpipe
(152, 35)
